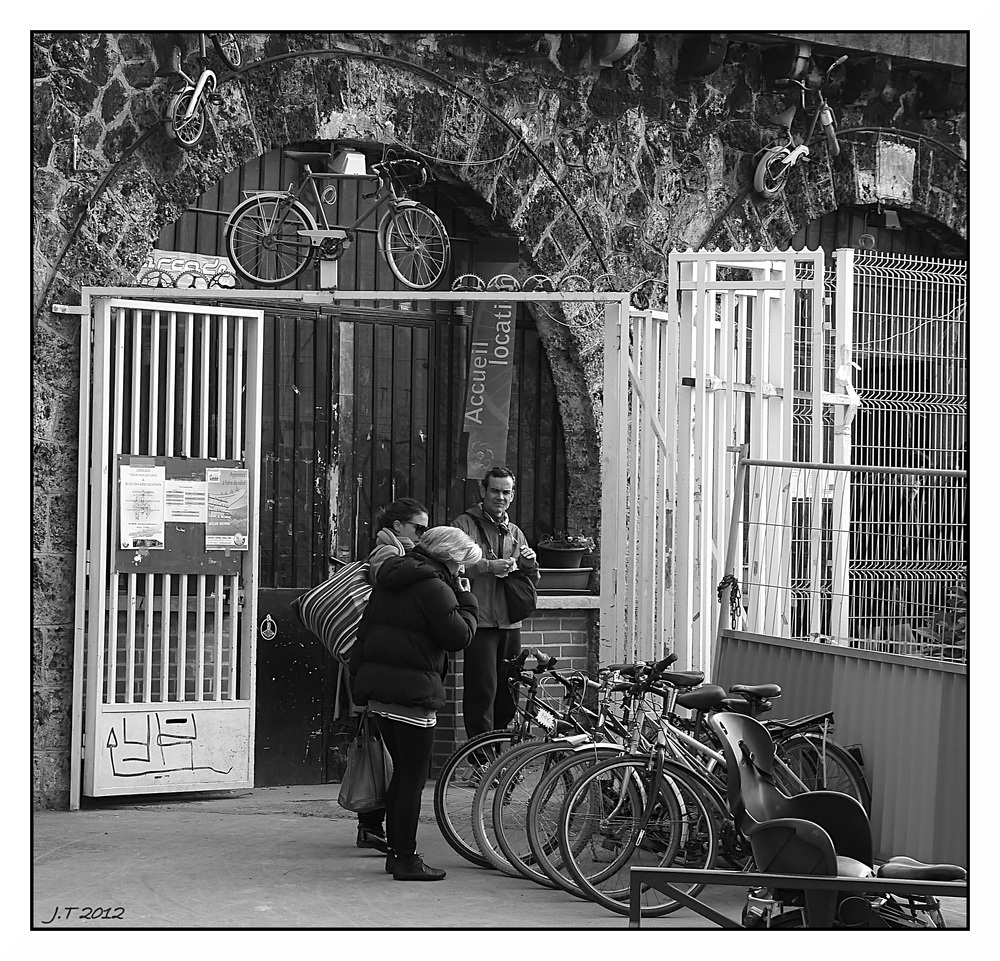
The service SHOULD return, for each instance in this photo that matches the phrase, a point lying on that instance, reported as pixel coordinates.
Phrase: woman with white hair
(419, 610)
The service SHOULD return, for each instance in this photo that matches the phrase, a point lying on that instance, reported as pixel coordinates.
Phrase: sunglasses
(419, 528)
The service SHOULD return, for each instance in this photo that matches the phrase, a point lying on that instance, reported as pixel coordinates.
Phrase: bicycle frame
(205, 78)
(384, 195)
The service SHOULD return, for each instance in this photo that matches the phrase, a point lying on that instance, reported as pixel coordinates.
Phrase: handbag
(332, 610)
(368, 772)
(518, 588)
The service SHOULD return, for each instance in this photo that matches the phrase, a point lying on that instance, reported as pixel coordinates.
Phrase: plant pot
(564, 580)
(563, 557)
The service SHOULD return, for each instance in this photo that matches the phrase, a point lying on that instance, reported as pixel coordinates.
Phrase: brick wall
(569, 635)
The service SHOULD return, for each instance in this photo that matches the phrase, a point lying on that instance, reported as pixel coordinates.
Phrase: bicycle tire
(454, 794)
(262, 239)
(803, 753)
(415, 245)
(770, 176)
(511, 798)
(228, 48)
(681, 830)
(543, 816)
(190, 132)
(482, 805)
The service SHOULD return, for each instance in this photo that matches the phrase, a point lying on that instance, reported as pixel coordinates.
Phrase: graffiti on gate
(137, 749)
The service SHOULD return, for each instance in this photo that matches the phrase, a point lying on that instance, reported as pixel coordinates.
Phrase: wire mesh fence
(870, 558)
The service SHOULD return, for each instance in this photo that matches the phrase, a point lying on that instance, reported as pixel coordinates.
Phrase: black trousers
(487, 703)
(410, 748)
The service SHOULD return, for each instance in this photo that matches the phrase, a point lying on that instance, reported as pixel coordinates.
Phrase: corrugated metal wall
(910, 716)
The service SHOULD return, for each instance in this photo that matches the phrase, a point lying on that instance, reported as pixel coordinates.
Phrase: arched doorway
(361, 405)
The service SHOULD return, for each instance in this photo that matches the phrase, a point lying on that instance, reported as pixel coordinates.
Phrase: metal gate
(741, 357)
(167, 557)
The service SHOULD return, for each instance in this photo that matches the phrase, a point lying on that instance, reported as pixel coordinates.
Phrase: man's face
(498, 495)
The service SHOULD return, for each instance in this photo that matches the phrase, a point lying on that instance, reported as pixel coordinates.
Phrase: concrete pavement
(285, 858)
(276, 858)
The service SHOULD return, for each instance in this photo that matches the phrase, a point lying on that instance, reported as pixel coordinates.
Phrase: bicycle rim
(511, 799)
(543, 818)
(187, 132)
(483, 805)
(456, 786)
(820, 768)
(680, 831)
(263, 241)
(416, 246)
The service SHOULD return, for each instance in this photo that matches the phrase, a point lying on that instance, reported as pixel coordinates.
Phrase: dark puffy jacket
(414, 617)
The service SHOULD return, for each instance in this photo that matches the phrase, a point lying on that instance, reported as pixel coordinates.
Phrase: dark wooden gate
(362, 405)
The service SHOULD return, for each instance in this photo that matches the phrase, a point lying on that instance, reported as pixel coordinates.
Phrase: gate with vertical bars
(169, 681)
(772, 353)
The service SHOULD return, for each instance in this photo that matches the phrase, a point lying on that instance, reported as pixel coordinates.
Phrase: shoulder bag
(518, 588)
(332, 610)
(368, 771)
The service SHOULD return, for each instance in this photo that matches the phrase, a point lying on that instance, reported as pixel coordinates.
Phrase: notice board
(180, 515)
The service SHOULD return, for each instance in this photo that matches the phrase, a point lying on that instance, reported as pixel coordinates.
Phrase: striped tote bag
(332, 610)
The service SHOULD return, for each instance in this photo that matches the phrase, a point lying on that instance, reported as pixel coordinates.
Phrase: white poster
(141, 499)
(187, 500)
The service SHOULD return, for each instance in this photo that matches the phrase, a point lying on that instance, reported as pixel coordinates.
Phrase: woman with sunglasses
(400, 527)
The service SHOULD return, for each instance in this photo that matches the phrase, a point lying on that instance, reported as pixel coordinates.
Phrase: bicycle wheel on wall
(187, 131)
(263, 240)
(680, 831)
(228, 48)
(456, 786)
(416, 245)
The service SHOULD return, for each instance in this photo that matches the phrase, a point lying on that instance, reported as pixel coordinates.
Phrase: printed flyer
(140, 500)
(228, 526)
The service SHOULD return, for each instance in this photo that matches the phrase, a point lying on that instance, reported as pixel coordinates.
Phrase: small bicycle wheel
(228, 48)
(456, 786)
(483, 826)
(416, 246)
(820, 767)
(770, 175)
(542, 816)
(263, 239)
(188, 132)
(680, 830)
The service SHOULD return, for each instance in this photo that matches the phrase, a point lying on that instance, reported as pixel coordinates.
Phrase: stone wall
(601, 171)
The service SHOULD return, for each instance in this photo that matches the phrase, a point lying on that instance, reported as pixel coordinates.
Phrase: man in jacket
(486, 702)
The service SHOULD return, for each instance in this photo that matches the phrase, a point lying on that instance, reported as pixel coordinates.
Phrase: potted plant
(562, 549)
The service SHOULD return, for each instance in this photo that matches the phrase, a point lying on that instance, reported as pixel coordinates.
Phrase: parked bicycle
(779, 157)
(273, 236)
(187, 112)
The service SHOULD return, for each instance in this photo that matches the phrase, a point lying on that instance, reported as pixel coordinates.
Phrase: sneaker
(411, 867)
(372, 838)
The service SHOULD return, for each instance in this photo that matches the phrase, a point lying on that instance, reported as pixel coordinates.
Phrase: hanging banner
(487, 393)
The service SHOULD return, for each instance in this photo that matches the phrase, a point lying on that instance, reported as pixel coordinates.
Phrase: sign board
(180, 515)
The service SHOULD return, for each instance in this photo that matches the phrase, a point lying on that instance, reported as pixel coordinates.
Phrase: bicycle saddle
(683, 678)
(902, 868)
(756, 690)
(313, 157)
(703, 698)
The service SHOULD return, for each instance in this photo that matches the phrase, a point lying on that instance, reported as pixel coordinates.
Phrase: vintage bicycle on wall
(783, 154)
(187, 112)
(272, 236)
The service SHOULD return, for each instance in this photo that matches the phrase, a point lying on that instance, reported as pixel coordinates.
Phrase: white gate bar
(613, 457)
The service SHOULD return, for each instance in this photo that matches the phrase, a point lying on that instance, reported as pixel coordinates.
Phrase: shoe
(390, 861)
(372, 838)
(411, 867)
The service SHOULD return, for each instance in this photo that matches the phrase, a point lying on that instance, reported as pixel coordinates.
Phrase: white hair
(450, 544)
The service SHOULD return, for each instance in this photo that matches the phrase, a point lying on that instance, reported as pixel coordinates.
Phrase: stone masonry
(600, 170)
